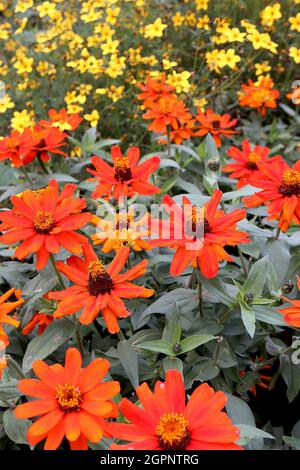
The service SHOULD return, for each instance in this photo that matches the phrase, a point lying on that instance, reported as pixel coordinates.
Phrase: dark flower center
(43, 222)
(99, 281)
(290, 183)
(122, 169)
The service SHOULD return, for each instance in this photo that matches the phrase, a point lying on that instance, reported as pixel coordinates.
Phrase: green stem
(278, 231)
(13, 365)
(43, 166)
(243, 262)
(121, 336)
(225, 316)
(200, 294)
(79, 340)
(169, 141)
(191, 283)
(27, 177)
(59, 276)
(218, 350)
(98, 327)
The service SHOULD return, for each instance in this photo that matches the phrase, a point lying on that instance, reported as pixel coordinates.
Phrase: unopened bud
(287, 287)
(177, 348)
(248, 297)
(214, 164)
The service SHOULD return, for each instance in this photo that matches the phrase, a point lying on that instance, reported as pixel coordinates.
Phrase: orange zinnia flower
(125, 230)
(214, 124)
(71, 402)
(280, 186)
(292, 313)
(14, 148)
(98, 288)
(44, 220)
(62, 120)
(5, 309)
(246, 166)
(259, 95)
(40, 319)
(153, 89)
(41, 143)
(199, 234)
(126, 177)
(167, 113)
(166, 422)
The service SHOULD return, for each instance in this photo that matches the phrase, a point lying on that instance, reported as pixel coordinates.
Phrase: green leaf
(217, 289)
(248, 318)
(204, 369)
(42, 346)
(9, 390)
(172, 330)
(129, 360)
(192, 342)
(257, 277)
(180, 297)
(158, 346)
(16, 429)
(279, 254)
(172, 363)
(248, 432)
(292, 441)
(211, 148)
(268, 315)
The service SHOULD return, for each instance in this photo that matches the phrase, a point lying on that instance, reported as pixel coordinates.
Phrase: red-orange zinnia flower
(280, 186)
(14, 148)
(5, 309)
(62, 120)
(72, 402)
(215, 124)
(153, 89)
(42, 320)
(167, 113)
(259, 95)
(41, 142)
(98, 288)
(246, 162)
(199, 234)
(45, 220)
(166, 422)
(292, 313)
(126, 177)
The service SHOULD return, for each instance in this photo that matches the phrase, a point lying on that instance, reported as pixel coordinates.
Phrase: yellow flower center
(253, 158)
(172, 431)
(290, 183)
(122, 169)
(99, 281)
(68, 397)
(43, 222)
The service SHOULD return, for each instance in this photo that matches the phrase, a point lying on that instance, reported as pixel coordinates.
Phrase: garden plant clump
(150, 225)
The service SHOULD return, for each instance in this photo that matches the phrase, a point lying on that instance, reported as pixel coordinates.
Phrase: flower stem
(43, 166)
(79, 340)
(169, 141)
(243, 262)
(27, 177)
(278, 231)
(218, 350)
(59, 276)
(121, 336)
(98, 327)
(14, 366)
